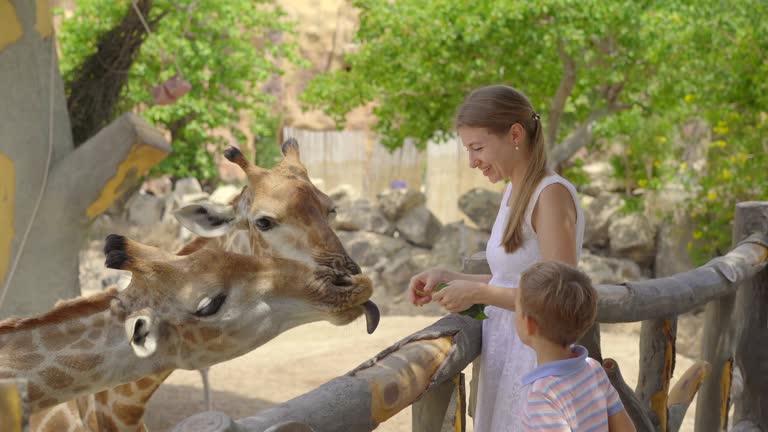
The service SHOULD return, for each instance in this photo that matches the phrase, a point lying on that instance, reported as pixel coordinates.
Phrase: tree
(622, 70)
(227, 50)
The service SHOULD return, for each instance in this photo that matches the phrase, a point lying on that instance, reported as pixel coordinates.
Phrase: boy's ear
(531, 326)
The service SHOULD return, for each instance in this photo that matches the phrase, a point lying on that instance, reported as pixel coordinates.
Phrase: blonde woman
(539, 219)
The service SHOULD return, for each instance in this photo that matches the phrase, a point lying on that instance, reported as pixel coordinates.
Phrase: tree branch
(581, 136)
(564, 90)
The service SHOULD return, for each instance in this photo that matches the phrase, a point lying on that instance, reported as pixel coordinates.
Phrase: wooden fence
(424, 369)
(357, 159)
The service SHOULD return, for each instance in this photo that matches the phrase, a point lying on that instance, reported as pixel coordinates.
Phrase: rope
(45, 177)
(149, 32)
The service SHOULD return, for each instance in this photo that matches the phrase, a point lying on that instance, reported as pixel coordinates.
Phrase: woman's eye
(264, 223)
(209, 306)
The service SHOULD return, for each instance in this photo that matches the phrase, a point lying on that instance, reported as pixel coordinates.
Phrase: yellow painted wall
(10, 27)
(139, 160)
(43, 21)
(7, 210)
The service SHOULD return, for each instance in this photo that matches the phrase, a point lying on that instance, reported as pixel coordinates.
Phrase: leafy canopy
(227, 50)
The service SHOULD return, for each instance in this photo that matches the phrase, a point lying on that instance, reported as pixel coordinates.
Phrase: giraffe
(183, 312)
(282, 192)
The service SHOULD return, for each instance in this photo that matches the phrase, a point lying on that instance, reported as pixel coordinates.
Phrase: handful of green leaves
(476, 311)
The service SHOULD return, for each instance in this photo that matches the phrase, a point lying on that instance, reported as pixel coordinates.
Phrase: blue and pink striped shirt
(570, 395)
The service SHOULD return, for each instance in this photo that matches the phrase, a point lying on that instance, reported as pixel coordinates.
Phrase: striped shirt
(570, 395)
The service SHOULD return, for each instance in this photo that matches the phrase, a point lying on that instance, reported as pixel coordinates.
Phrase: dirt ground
(306, 357)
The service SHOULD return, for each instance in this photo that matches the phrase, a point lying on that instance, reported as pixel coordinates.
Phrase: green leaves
(224, 50)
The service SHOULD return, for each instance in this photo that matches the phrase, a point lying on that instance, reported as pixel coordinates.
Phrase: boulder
(419, 227)
(396, 273)
(224, 194)
(598, 212)
(455, 242)
(343, 192)
(359, 215)
(370, 249)
(186, 186)
(395, 203)
(481, 207)
(145, 209)
(601, 179)
(634, 237)
(608, 270)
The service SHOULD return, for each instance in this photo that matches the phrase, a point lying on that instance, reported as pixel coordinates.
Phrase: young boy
(568, 391)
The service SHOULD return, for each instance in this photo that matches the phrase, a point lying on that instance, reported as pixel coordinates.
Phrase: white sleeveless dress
(505, 359)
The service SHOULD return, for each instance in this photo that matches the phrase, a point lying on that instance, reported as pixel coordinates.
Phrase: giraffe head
(284, 214)
(213, 305)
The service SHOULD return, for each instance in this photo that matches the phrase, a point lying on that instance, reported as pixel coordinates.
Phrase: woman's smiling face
(493, 155)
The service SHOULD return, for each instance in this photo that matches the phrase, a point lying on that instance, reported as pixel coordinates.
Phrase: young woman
(540, 219)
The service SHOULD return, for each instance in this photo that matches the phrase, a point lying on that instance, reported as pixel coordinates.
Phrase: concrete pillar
(81, 183)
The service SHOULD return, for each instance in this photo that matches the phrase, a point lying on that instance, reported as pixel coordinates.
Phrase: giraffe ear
(207, 220)
(141, 330)
(290, 150)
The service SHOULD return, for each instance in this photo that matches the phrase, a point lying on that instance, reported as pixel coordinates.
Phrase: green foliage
(661, 63)
(575, 173)
(224, 50)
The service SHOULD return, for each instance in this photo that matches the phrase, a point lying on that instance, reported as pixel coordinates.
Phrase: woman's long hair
(496, 108)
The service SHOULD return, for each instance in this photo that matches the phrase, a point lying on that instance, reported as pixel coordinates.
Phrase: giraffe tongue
(372, 316)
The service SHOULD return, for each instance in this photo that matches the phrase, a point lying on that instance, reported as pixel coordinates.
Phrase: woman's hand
(421, 286)
(458, 295)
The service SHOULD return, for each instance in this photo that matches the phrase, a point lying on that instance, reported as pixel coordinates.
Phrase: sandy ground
(306, 357)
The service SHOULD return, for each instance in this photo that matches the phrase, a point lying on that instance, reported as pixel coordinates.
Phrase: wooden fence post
(719, 339)
(751, 315)
(657, 363)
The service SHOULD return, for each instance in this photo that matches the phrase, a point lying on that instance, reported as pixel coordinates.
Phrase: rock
(370, 249)
(633, 236)
(607, 270)
(601, 179)
(160, 186)
(358, 215)
(672, 249)
(481, 206)
(397, 272)
(145, 209)
(395, 203)
(344, 192)
(598, 212)
(450, 248)
(224, 194)
(419, 227)
(186, 186)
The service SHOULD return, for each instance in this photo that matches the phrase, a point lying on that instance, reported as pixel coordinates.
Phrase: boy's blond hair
(560, 298)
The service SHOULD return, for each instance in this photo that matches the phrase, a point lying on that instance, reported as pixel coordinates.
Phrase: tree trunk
(95, 86)
(719, 336)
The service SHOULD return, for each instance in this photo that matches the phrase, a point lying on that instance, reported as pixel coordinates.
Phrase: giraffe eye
(264, 223)
(209, 306)
(332, 213)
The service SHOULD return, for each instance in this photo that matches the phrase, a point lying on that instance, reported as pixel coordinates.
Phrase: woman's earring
(517, 146)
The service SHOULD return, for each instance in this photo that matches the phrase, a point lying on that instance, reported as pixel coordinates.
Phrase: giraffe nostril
(353, 268)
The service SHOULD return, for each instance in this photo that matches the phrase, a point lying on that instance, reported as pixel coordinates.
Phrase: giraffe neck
(81, 353)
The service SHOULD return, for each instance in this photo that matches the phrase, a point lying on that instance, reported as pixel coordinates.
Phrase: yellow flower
(683, 166)
(698, 234)
(661, 139)
(689, 98)
(742, 157)
(711, 195)
(656, 164)
(721, 128)
(725, 174)
(719, 143)
(642, 182)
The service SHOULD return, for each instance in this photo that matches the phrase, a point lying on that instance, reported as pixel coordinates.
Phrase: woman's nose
(472, 161)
